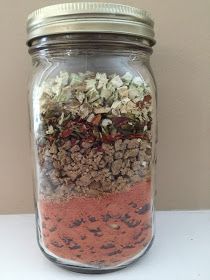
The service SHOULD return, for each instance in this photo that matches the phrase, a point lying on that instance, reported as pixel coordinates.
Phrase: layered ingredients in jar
(94, 142)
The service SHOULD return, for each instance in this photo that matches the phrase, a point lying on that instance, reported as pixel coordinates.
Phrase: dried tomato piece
(96, 120)
(66, 133)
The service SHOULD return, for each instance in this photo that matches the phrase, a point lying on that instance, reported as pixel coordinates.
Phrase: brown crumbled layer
(82, 169)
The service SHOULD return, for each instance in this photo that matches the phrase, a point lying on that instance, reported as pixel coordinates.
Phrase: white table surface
(181, 251)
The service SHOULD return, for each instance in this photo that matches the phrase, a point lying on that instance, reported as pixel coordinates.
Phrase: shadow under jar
(93, 127)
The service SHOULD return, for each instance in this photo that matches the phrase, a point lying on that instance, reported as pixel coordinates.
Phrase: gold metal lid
(90, 17)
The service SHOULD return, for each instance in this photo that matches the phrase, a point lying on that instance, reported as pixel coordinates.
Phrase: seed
(107, 246)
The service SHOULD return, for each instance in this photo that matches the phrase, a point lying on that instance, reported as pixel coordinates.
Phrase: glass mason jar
(93, 126)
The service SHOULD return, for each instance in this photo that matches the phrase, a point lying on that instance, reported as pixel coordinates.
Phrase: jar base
(91, 270)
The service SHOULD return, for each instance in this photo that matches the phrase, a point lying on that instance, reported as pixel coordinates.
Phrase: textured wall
(181, 64)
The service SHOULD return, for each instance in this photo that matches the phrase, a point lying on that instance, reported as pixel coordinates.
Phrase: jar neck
(68, 44)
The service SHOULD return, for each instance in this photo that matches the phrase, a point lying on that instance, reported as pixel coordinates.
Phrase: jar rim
(90, 17)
